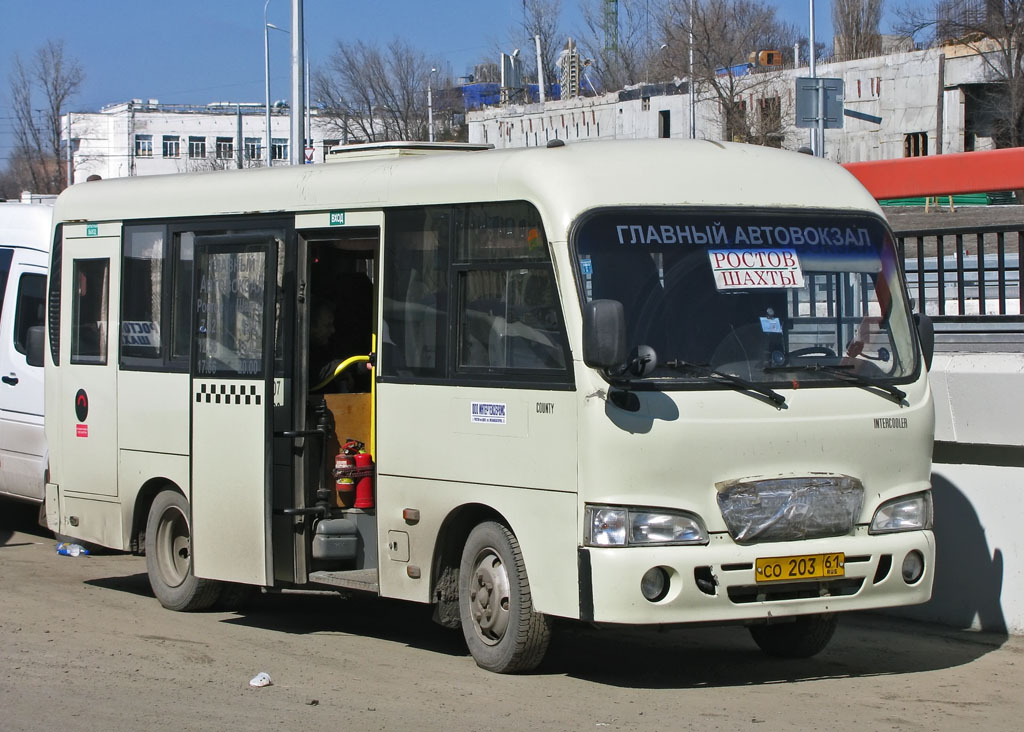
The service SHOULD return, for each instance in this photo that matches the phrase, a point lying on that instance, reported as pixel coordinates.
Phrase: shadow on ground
(865, 645)
(17, 517)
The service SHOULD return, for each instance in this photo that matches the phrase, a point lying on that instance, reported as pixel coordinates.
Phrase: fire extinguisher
(364, 484)
(344, 466)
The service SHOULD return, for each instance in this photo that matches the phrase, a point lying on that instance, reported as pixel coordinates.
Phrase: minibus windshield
(777, 298)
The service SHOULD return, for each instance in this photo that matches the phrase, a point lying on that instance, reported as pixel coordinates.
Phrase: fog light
(913, 567)
(654, 584)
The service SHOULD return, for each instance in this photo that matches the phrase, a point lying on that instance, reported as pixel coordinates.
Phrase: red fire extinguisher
(364, 480)
(344, 467)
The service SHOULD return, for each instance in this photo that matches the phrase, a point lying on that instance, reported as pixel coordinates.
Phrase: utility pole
(818, 131)
(693, 88)
(68, 156)
(540, 70)
(239, 140)
(297, 145)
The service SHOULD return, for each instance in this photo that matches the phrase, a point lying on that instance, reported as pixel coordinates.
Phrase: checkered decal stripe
(228, 394)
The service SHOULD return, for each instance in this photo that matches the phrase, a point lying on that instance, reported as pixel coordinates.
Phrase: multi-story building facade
(144, 137)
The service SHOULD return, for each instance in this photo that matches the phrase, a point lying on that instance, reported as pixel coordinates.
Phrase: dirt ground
(84, 646)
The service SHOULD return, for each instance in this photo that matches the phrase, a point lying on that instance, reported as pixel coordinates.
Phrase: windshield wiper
(840, 371)
(738, 382)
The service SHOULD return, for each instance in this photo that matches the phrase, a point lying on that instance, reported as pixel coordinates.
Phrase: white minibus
(634, 382)
(25, 230)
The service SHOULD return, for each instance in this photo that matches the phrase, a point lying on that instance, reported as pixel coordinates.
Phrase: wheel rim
(489, 597)
(173, 546)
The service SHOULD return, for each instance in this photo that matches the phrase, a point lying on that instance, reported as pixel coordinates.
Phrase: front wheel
(804, 637)
(169, 557)
(503, 631)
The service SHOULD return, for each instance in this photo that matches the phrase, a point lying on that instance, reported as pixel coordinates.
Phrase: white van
(24, 253)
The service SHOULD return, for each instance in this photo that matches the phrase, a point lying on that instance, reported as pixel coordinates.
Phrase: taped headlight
(617, 526)
(908, 513)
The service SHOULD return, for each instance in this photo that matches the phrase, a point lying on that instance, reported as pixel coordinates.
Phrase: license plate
(804, 566)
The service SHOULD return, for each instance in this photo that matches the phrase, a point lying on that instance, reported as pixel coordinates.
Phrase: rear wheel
(804, 637)
(503, 631)
(169, 557)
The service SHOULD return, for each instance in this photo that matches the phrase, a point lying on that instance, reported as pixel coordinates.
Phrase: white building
(901, 88)
(148, 138)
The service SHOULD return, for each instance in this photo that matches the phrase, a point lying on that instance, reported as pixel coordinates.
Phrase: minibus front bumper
(719, 582)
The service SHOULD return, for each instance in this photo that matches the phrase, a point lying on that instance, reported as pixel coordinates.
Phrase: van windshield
(777, 298)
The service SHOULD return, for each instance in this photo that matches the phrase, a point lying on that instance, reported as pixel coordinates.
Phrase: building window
(664, 123)
(279, 148)
(253, 148)
(915, 145)
(645, 104)
(172, 146)
(143, 146)
(225, 148)
(735, 121)
(197, 147)
(771, 132)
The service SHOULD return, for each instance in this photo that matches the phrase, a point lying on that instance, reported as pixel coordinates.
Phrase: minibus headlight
(649, 527)
(616, 526)
(908, 513)
(606, 526)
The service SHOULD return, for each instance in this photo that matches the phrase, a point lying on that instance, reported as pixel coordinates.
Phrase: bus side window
(416, 292)
(90, 304)
(142, 294)
(31, 296)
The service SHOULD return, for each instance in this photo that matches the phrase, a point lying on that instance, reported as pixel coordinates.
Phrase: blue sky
(201, 51)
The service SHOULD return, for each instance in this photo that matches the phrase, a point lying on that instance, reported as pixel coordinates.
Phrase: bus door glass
(234, 327)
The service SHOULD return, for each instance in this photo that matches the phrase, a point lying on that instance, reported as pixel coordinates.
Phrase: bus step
(352, 579)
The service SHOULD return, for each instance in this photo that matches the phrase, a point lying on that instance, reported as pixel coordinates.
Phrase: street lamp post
(693, 90)
(430, 106)
(267, 157)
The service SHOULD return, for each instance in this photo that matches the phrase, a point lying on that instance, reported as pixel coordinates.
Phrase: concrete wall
(901, 88)
(978, 489)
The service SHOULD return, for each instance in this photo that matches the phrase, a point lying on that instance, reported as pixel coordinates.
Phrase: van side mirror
(604, 334)
(926, 334)
(34, 345)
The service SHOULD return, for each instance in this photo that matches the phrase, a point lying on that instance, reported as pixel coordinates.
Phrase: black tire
(169, 557)
(502, 630)
(804, 637)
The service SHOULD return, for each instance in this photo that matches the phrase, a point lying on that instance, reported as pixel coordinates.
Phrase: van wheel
(805, 637)
(169, 557)
(503, 631)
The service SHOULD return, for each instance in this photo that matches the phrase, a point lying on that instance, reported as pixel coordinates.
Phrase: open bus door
(240, 393)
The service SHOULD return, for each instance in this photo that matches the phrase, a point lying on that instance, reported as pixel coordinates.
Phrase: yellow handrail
(341, 367)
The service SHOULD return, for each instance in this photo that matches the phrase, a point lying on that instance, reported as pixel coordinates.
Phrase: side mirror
(604, 334)
(926, 334)
(34, 345)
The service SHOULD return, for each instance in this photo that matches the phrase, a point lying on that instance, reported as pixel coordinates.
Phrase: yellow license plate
(804, 566)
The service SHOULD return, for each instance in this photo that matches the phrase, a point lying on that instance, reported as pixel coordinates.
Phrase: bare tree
(726, 33)
(617, 42)
(994, 30)
(856, 24)
(370, 93)
(540, 18)
(40, 90)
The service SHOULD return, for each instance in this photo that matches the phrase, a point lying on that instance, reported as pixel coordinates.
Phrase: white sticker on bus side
(488, 413)
(744, 269)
